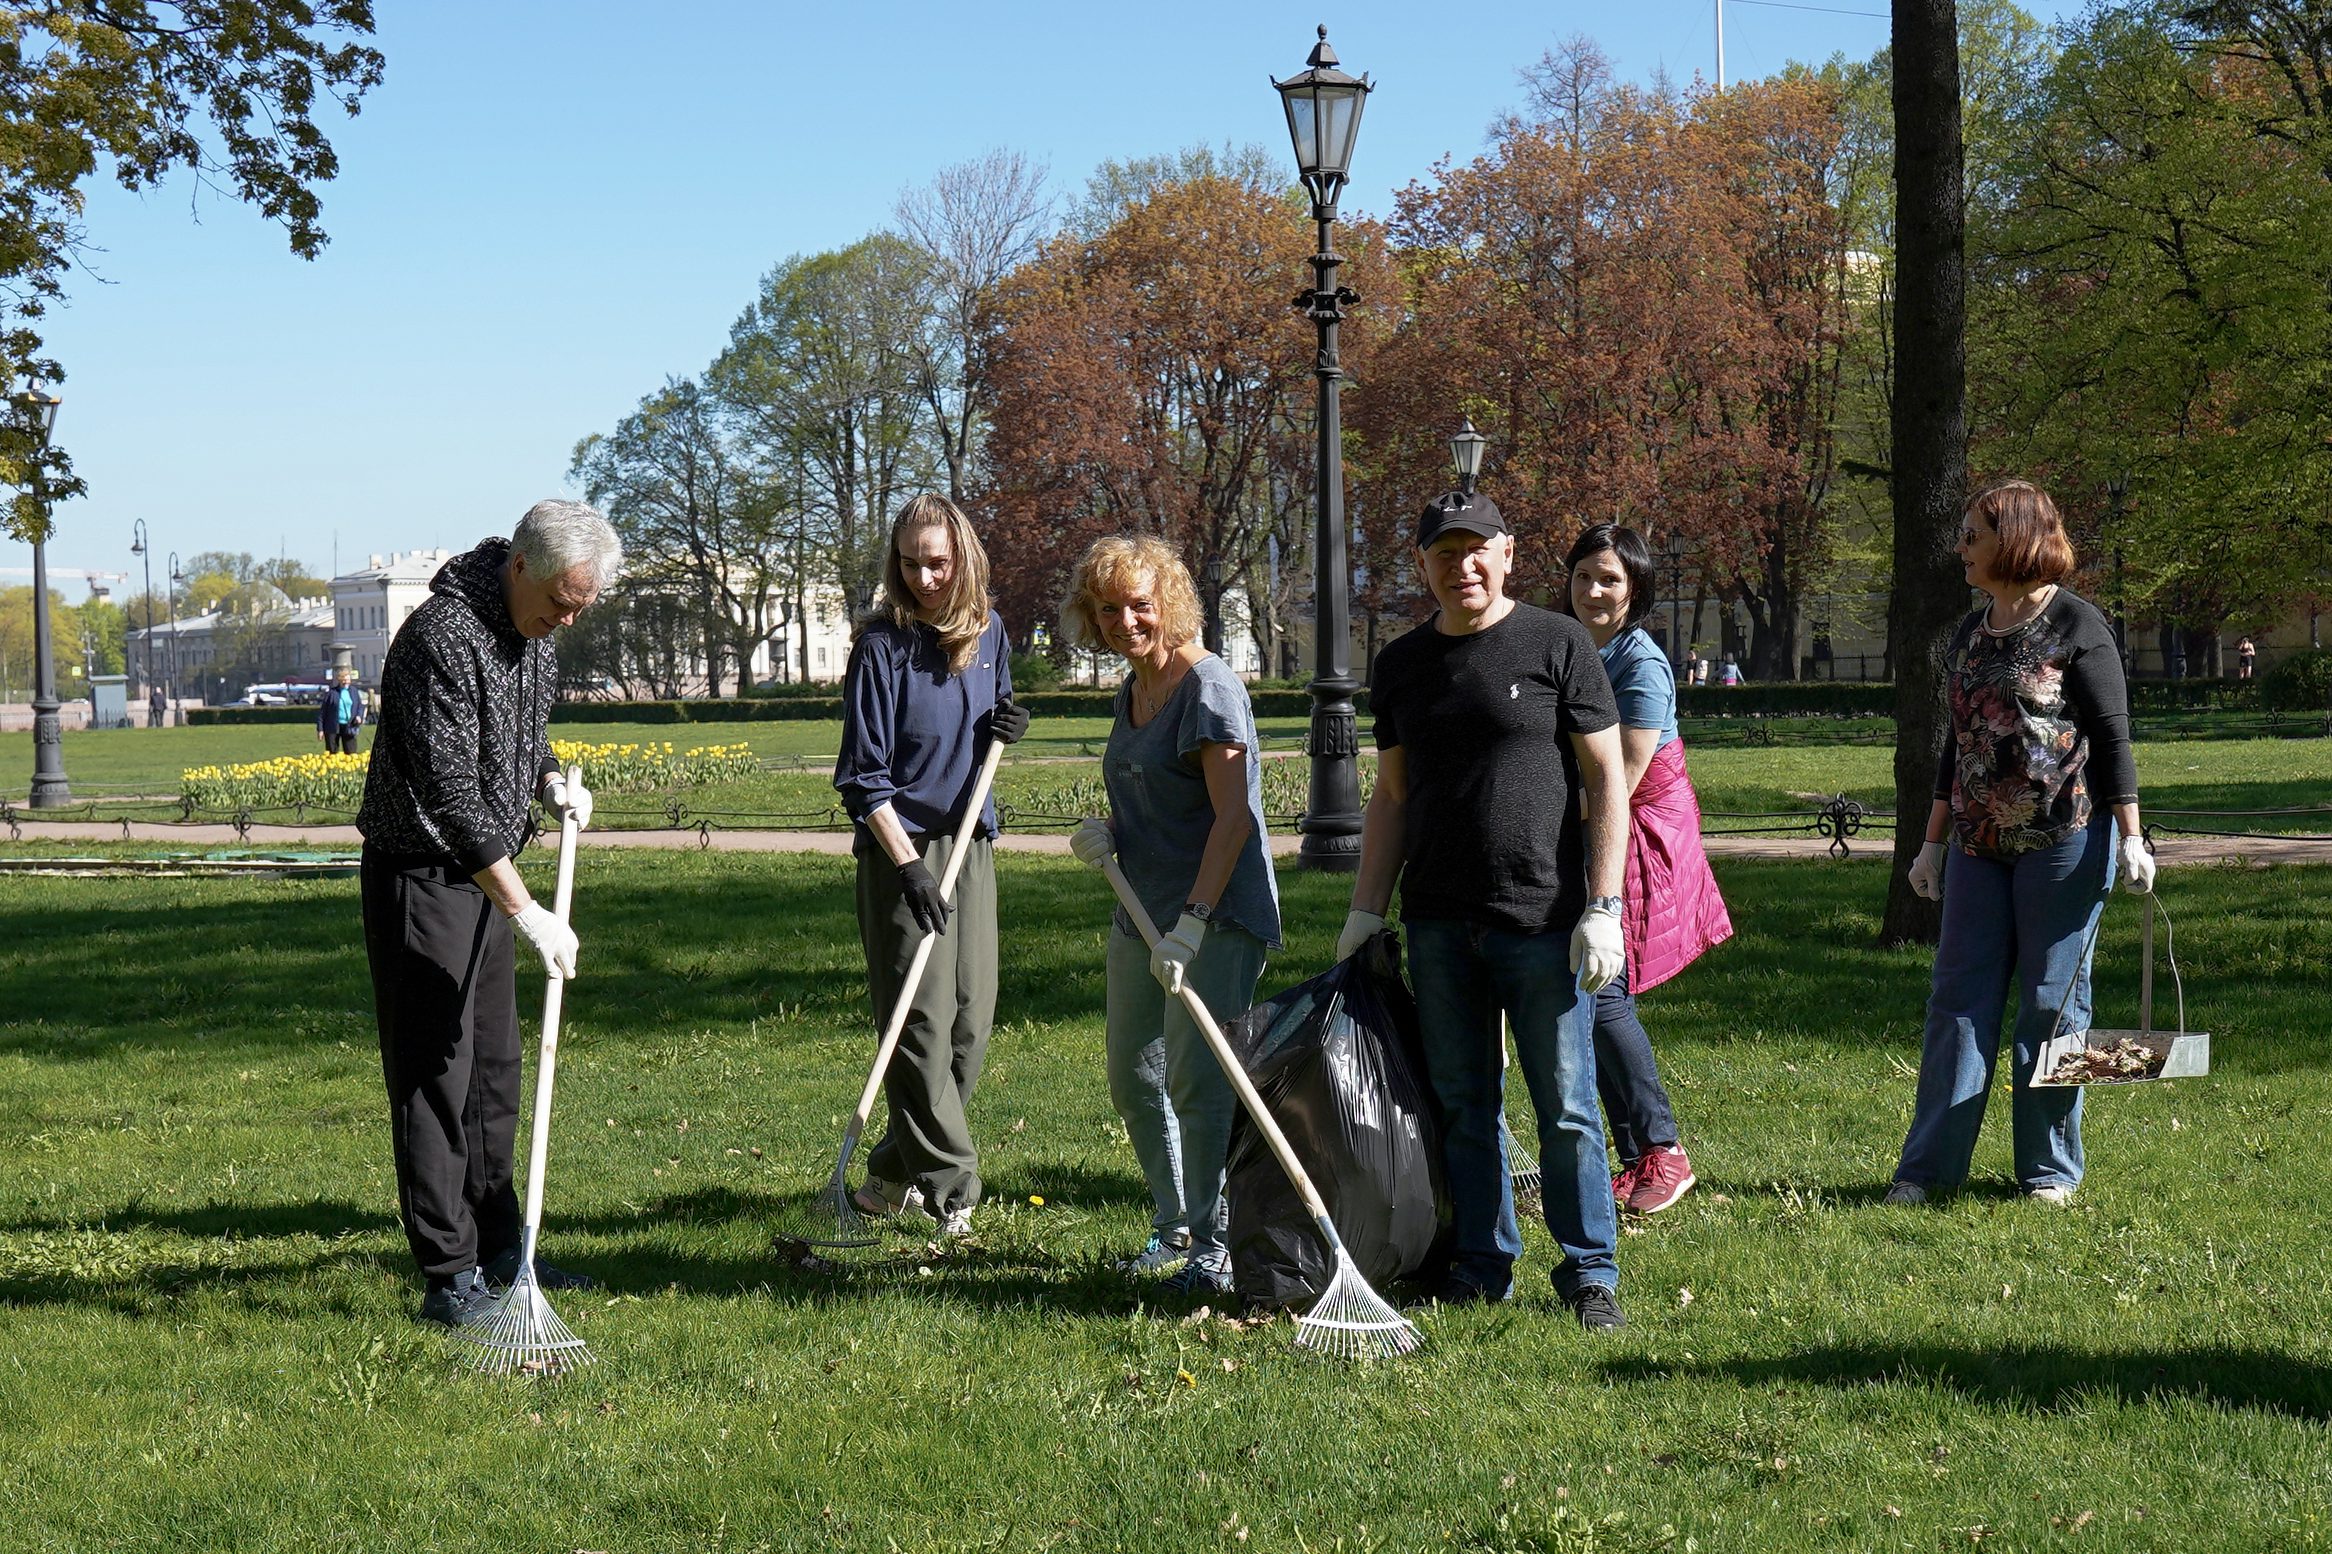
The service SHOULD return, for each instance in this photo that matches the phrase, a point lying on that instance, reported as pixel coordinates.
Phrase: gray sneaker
(459, 1301)
(1163, 1253)
(1597, 1308)
(1905, 1195)
(1195, 1278)
(955, 1224)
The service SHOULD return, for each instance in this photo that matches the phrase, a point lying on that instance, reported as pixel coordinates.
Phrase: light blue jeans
(2029, 919)
(1172, 1095)
(1464, 974)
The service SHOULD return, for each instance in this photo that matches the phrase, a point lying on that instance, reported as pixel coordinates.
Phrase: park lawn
(205, 1302)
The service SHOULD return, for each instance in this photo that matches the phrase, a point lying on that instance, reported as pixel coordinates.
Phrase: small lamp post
(1323, 107)
(170, 675)
(49, 788)
(140, 547)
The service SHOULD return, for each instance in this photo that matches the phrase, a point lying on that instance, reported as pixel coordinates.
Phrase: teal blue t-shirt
(1642, 683)
(1159, 808)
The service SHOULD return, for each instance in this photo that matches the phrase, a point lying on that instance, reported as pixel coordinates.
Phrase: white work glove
(2137, 866)
(562, 798)
(1170, 958)
(1092, 842)
(1598, 950)
(552, 939)
(1927, 872)
(1359, 928)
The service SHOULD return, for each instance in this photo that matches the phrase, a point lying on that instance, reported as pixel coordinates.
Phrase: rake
(1520, 1162)
(832, 1219)
(522, 1334)
(1351, 1321)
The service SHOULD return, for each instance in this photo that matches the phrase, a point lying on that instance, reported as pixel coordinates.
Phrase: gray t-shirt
(1159, 806)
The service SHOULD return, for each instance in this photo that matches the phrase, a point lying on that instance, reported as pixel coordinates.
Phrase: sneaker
(498, 1274)
(2053, 1193)
(1904, 1195)
(888, 1200)
(1597, 1308)
(1662, 1176)
(458, 1301)
(1623, 1181)
(955, 1224)
(1161, 1255)
(1196, 1278)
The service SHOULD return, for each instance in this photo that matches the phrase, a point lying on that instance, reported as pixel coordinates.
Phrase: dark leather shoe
(502, 1270)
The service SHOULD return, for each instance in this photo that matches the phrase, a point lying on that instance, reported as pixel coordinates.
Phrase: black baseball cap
(1471, 513)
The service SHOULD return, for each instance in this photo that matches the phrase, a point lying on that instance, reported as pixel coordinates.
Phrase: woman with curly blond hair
(1186, 824)
(2034, 778)
(929, 685)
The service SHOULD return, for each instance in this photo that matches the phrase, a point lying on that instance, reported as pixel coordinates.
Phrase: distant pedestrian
(1730, 674)
(340, 714)
(2034, 778)
(157, 707)
(2246, 657)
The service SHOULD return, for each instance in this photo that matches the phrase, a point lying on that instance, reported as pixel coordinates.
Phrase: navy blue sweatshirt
(913, 734)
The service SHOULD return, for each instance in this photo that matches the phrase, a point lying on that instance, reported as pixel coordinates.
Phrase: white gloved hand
(1927, 872)
(552, 939)
(561, 797)
(2137, 866)
(1598, 950)
(1359, 928)
(1170, 958)
(1092, 842)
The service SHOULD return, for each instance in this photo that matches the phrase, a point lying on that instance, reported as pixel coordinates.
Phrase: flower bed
(651, 767)
(318, 781)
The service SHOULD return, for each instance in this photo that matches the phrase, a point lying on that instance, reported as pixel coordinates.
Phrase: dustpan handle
(2146, 972)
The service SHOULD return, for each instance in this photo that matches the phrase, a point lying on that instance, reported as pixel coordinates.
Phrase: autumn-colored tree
(1151, 376)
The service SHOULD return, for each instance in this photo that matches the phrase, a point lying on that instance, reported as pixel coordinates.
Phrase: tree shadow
(2045, 1378)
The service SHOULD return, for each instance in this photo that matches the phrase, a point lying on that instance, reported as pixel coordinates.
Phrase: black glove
(1008, 722)
(922, 895)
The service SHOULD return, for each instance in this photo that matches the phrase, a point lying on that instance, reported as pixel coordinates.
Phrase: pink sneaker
(1662, 1176)
(1623, 1182)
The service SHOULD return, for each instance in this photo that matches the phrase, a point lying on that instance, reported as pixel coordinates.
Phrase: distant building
(370, 603)
(214, 656)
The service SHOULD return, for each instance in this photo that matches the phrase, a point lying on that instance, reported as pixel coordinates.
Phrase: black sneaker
(502, 1270)
(1597, 1308)
(458, 1301)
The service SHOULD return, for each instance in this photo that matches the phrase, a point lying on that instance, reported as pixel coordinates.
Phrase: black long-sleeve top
(2040, 729)
(464, 720)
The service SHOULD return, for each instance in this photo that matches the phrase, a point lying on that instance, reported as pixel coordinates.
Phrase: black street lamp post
(49, 787)
(170, 673)
(1678, 648)
(140, 547)
(1323, 119)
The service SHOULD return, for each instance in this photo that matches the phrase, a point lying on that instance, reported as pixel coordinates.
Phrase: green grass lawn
(1049, 773)
(206, 1337)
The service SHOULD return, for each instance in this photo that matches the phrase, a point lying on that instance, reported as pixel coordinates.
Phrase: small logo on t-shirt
(1514, 691)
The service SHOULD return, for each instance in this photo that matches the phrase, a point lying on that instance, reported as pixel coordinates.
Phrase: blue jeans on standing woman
(1464, 974)
(1627, 1076)
(2028, 918)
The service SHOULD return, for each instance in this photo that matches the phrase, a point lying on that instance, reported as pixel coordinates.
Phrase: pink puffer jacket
(1674, 910)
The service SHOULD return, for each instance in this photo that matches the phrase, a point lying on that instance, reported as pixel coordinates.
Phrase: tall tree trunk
(1930, 424)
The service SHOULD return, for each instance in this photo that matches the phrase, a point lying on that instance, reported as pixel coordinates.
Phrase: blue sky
(547, 208)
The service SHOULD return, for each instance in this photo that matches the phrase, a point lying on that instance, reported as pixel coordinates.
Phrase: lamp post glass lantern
(170, 670)
(1466, 448)
(49, 788)
(1323, 106)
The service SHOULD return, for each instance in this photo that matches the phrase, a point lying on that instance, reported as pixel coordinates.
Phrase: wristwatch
(1612, 904)
(1205, 914)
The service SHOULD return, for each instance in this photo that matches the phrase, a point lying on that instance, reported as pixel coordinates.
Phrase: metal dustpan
(2099, 1057)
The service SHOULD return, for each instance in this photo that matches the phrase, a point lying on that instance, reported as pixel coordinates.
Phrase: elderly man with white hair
(463, 750)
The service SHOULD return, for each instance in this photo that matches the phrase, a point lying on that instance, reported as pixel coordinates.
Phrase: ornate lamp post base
(1332, 818)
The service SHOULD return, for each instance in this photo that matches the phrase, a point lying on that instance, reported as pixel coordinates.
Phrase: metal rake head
(523, 1336)
(1353, 1322)
(829, 1219)
(1521, 1163)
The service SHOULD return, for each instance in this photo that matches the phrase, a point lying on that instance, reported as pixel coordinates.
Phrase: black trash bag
(1339, 1062)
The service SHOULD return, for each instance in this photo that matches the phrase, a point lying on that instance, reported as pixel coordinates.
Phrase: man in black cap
(1488, 717)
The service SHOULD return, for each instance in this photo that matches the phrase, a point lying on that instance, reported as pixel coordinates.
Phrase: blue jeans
(2029, 918)
(1635, 1103)
(1169, 1090)
(1464, 975)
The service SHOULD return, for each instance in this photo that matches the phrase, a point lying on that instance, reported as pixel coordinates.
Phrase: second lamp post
(1323, 119)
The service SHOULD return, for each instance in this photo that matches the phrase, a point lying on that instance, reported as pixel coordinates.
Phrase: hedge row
(2301, 681)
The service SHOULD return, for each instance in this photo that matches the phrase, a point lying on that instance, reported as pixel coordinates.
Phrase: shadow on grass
(2046, 1378)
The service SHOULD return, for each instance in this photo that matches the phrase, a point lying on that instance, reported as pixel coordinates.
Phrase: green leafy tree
(139, 89)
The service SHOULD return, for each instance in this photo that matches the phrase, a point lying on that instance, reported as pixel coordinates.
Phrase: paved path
(2169, 849)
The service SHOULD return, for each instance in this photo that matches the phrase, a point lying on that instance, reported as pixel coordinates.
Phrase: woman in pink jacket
(1672, 909)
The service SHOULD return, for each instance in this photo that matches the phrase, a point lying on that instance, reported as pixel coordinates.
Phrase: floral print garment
(2019, 781)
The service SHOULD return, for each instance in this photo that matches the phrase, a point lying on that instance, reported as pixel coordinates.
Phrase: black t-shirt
(1484, 723)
